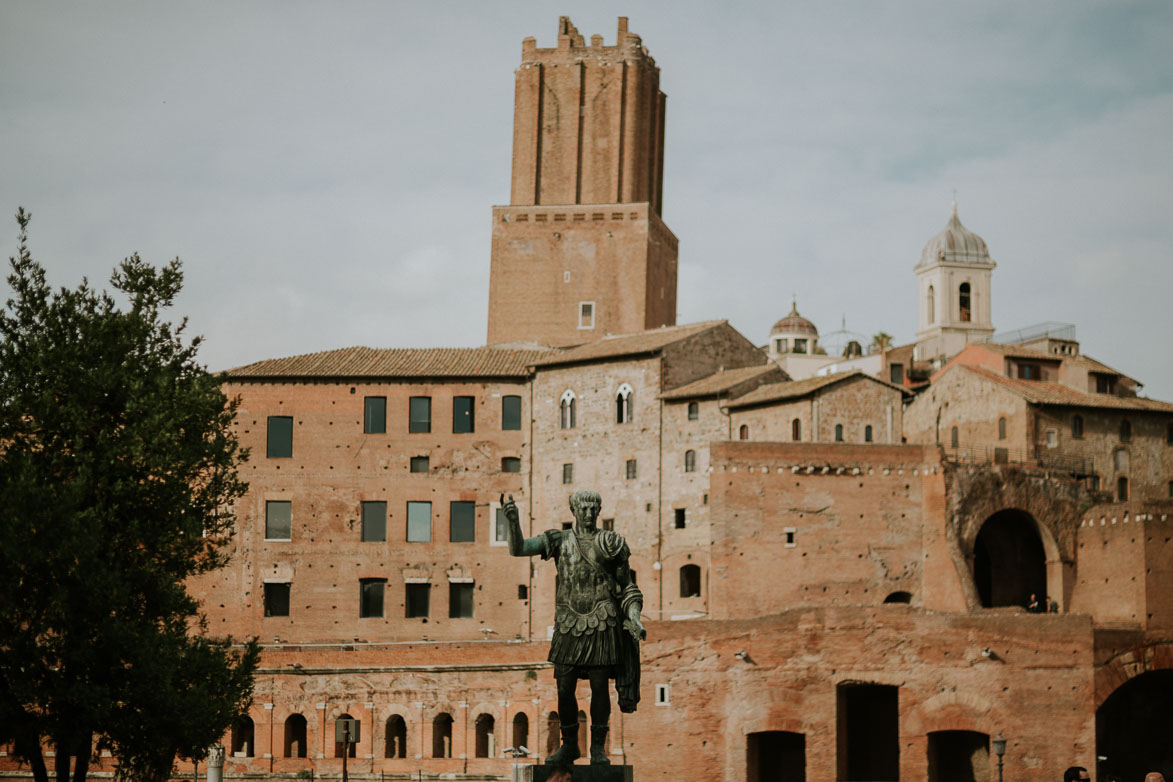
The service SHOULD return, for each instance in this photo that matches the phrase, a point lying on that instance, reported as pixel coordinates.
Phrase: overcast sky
(326, 170)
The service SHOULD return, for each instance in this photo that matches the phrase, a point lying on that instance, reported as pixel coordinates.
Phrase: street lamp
(999, 750)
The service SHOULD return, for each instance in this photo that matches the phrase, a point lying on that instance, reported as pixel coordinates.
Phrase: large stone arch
(1134, 707)
(1130, 663)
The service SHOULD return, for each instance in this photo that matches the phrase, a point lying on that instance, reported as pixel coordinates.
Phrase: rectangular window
(1028, 372)
(463, 415)
(370, 597)
(630, 469)
(567, 474)
(586, 314)
(681, 519)
(896, 374)
(799, 345)
(463, 526)
(280, 440)
(500, 527)
(374, 521)
(277, 599)
(460, 601)
(278, 520)
(1093, 482)
(420, 464)
(510, 464)
(415, 600)
(511, 412)
(1105, 384)
(374, 415)
(608, 524)
(1052, 438)
(789, 532)
(419, 414)
(419, 522)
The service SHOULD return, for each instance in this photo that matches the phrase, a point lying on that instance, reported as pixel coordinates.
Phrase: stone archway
(1132, 727)
(1009, 561)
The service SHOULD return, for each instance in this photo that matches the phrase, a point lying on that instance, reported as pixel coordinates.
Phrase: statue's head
(585, 507)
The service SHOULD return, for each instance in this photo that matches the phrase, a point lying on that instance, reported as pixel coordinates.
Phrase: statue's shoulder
(553, 539)
(612, 544)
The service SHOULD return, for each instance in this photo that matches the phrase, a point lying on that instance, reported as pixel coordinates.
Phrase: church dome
(794, 324)
(955, 244)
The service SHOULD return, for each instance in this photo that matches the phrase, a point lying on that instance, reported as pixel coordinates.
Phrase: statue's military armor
(586, 596)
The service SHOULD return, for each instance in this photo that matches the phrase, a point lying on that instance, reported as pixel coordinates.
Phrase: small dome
(794, 324)
(955, 244)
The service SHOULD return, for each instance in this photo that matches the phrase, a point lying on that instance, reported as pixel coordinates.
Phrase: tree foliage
(118, 471)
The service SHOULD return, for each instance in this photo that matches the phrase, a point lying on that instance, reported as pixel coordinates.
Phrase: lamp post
(999, 750)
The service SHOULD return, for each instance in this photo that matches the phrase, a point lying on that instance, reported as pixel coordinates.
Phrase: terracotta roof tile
(793, 389)
(396, 362)
(1046, 393)
(617, 345)
(719, 382)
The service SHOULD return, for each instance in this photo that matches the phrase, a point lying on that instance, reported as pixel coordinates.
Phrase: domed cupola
(955, 244)
(794, 334)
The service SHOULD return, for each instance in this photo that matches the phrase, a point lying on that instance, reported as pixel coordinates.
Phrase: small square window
(463, 522)
(420, 464)
(789, 533)
(419, 414)
(522, 592)
(279, 444)
(629, 469)
(463, 414)
(896, 374)
(567, 474)
(419, 522)
(278, 520)
(374, 521)
(609, 524)
(586, 314)
(374, 418)
(680, 518)
(460, 601)
(277, 599)
(510, 464)
(370, 597)
(416, 598)
(662, 694)
(511, 412)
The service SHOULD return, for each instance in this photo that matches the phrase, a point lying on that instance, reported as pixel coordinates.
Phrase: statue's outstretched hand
(509, 507)
(635, 627)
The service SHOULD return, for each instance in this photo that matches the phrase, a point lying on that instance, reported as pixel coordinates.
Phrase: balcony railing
(1046, 458)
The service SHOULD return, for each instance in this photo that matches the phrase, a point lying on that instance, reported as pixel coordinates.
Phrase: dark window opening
(460, 600)
(416, 598)
(680, 517)
(242, 737)
(1169, 434)
(295, 736)
(1009, 564)
(932, 305)
(775, 756)
(395, 737)
(630, 469)
(511, 412)
(567, 474)
(954, 437)
(690, 461)
(510, 464)
(796, 430)
(419, 414)
(370, 596)
(522, 592)
(485, 739)
(838, 433)
(420, 464)
(1077, 426)
(1125, 430)
(277, 599)
(623, 410)
(896, 374)
(279, 444)
(352, 749)
(419, 522)
(374, 521)
(1122, 489)
(278, 520)
(868, 732)
(899, 597)
(1093, 482)
(374, 417)
(463, 526)
(690, 581)
(520, 730)
(1002, 428)
(442, 736)
(463, 414)
(959, 756)
(1132, 727)
(743, 432)
(608, 524)
(867, 433)
(693, 411)
(1029, 372)
(1105, 384)
(963, 299)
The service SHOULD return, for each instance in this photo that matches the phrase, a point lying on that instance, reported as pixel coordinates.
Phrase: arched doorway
(1009, 563)
(959, 756)
(775, 756)
(1132, 727)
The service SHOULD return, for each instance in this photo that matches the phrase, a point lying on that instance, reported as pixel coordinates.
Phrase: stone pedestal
(578, 773)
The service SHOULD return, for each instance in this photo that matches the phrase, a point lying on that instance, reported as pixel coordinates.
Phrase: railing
(971, 453)
(1048, 330)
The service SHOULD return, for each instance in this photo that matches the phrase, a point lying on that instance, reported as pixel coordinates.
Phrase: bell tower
(581, 251)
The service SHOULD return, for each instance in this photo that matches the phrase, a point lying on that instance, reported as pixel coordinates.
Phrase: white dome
(955, 244)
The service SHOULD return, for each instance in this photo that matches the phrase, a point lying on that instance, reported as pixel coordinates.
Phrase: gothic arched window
(566, 417)
(623, 404)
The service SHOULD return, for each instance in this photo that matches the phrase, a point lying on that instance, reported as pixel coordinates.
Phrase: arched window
(954, 439)
(1077, 426)
(1125, 430)
(867, 433)
(553, 737)
(338, 744)
(623, 404)
(486, 740)
(743, 432)
(796, 430)
(690, 581)
(898, 597)
(838, 433)
(295, 726)
(932, 305)
(1122, 489)
(690, 461)
(1002, 428)
(693, 411)
(963, 302)
(395, 737)
(1120, 459)
(442, 736)
(566, 410)
(242, 737)
(520, 730)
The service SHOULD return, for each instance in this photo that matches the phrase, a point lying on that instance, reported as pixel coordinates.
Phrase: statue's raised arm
(519, 546)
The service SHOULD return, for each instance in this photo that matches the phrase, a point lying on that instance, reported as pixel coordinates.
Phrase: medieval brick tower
(581, 251)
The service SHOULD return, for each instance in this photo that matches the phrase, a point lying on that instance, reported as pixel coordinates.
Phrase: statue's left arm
(631, 599)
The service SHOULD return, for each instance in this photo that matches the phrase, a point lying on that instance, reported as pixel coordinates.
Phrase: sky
(325, 171)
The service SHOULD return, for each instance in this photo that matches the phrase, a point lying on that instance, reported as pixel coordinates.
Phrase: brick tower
(581, 250)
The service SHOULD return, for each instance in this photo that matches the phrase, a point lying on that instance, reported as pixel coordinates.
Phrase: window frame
(374, 417)
(409, 525)
(272, 447)
(624, 404)
(690, 460)
(419, 415)
(417, 461)
(567, 413)
(265, 606)
(268, 506)
(364, 606)
(455, 587)
(374, 507)
(417, 589)
(631, 470)
(510, 461)
(468, 525)
(694, 411)
(463, 418)
(508, 415)
(568, 474)
(586, 315)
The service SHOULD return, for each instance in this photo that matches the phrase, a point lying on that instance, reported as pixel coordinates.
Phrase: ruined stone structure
(834, 572)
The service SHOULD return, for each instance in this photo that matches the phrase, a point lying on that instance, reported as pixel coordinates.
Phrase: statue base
(583, 772)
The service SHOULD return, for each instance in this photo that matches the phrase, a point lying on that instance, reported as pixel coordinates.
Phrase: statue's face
(586, 514)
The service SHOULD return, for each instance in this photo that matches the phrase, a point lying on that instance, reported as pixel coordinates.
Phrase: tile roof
(1045, 393)
(1015, 351)
(719, 382)
(613, 346)
(396, 362)
(793, 389)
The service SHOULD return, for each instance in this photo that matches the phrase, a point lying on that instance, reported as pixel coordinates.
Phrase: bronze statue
(597, 628)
